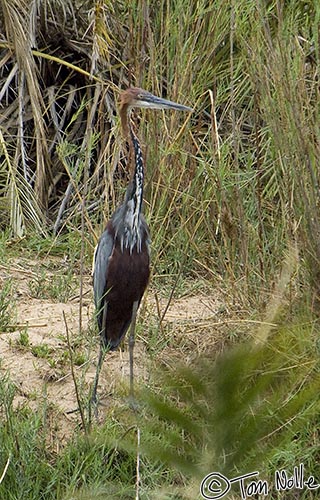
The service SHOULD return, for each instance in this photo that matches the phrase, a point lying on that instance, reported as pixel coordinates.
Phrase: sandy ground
(48, 377)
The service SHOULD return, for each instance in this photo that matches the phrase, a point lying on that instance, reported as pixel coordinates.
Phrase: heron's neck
(138, 173)
(134, 196)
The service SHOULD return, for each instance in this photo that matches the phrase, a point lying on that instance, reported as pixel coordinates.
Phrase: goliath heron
(121, 259)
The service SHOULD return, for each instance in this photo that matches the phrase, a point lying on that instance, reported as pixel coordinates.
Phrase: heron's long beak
(151, 101)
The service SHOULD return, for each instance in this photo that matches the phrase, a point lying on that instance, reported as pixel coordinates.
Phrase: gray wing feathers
(100, 267)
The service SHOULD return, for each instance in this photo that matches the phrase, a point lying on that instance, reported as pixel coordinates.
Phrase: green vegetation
(59, 288)
(23, 341)
(232, 199)
(7, 309)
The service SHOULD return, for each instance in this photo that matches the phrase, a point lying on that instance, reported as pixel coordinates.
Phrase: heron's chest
(128, 271)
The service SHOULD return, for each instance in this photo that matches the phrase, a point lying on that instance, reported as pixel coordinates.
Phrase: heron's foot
(94, 404)
(133, 403)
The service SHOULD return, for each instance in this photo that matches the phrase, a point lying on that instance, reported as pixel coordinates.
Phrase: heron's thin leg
(93, 399)
(102, 353)
(131, 344)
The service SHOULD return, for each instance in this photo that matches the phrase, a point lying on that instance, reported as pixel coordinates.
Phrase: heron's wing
(101, 257)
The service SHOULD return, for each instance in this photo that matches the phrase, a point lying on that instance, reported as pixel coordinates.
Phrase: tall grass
(232, 204)
(227, 187)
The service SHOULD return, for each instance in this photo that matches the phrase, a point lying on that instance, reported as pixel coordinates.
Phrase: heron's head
(134, 97)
